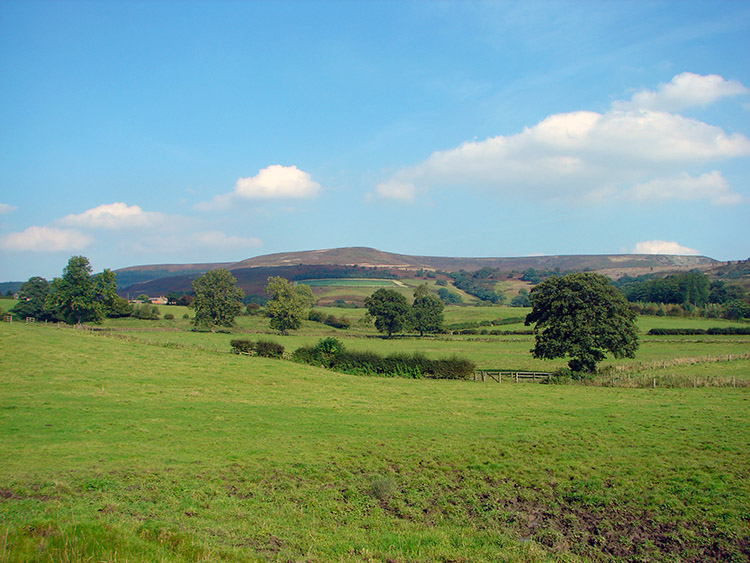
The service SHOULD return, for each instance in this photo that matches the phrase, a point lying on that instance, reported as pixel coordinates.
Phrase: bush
(729, 330)
(342, 323)
(695, 331)
(452, 368)
(329, 346)
(242, 346)
(316, 316)
(675, 331)
(146, 311)
(566, 375)
(269, 349)
(169, 317)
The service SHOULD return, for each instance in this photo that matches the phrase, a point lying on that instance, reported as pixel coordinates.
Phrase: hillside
(253, 272)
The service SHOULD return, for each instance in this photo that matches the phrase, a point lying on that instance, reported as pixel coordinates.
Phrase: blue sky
(183, 132)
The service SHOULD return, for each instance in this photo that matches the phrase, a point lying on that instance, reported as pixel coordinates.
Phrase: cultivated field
(156, 444)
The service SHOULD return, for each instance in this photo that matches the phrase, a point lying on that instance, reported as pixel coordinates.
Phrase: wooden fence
(514, 376)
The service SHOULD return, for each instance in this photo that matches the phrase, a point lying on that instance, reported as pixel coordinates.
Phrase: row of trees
(392, 313)
(581, 316)
(75, 298)
(691, 288)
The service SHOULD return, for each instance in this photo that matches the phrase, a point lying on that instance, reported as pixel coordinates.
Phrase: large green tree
(289, 303)
(427, 311)
(32, 300)
(73, 296)
(105, 288)
(217, 299)
(390, 310)
(581, 316)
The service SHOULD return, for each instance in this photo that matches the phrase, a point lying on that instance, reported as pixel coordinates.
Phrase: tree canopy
(288, 305)
(73, 296)
(217, 300)
(428, 311)
(32, 299)
(581, 316)
(390, 310)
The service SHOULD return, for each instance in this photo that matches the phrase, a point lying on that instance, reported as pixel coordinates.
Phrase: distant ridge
(371, 257)
(162, 278)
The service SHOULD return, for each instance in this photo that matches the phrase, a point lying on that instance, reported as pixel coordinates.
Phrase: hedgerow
(331, 354)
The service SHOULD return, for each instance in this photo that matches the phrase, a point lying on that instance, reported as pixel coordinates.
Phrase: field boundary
(515, 376)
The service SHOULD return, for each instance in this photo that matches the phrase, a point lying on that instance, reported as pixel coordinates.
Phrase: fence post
(654, 383)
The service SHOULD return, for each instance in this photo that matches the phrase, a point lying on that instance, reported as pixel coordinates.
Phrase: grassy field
(116, 450)
(703, 359)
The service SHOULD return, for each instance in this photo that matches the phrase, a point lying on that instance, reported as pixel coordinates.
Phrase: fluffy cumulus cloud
(5, 208)
(273, 182)
(663, 247)
(45, 239)
(113, 216)
(683, 91)
(627, 151)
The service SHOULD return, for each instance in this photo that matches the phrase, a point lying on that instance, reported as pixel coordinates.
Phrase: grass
(117, 451)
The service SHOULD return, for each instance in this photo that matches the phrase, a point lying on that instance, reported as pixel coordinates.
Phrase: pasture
(161, 446)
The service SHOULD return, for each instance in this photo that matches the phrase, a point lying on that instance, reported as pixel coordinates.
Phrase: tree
(217, 300)
(447, 296)
(521, 299)
(390, 311)
(288, 305)
(32, 299)
(73, 296)
(428, 311)
(736, 309)
(581, 316)
(105, 288)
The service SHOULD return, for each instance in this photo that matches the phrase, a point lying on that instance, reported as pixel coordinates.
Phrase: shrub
(329, 346)
(729, 330)
(242, 346)
(330, 353)
(342, 323)
(305, 355)
(269, 349)
(146, 311)
(452, 368)
(675, 331)
(651, 309)
(316, 316)
(363, 363)
(169, 317)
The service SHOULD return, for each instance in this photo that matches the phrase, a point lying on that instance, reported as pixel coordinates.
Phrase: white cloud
(273, 182)
(113, 216)
(663, 247)
(584, 156)
(218, 239)
(711, 186)
(45, 239)
(683, 91)
(205, 240)
(399, 191)
(5, 208)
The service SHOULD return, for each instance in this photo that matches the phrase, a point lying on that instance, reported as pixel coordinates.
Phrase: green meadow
(154, 443)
